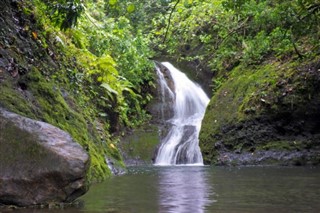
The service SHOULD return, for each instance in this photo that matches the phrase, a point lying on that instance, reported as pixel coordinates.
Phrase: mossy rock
(267, 107)
(139, 146)
(40, 163)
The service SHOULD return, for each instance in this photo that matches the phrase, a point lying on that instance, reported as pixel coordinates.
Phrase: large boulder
(39, 163)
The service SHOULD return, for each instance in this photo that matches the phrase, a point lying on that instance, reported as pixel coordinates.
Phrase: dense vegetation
(224, 33)
(93, 76)
(115, 39)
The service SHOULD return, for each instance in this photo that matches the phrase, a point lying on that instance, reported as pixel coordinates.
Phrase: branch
(231, 32)
(296, 48)
(312, 10)
(89, 17)
(174, 7)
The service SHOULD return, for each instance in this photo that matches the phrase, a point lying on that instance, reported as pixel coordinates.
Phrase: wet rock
(161, 108)
(184, 145)
(114, 168)
(39, 163)
(167, 75)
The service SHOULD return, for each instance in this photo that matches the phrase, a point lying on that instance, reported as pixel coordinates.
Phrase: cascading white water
(167, 95)
(181, 145)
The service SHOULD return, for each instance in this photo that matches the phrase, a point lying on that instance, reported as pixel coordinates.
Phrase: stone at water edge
(39, 163)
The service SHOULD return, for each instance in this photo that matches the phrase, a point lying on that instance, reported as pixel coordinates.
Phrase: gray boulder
(39, 163)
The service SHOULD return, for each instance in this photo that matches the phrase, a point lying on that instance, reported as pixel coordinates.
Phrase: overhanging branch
(169, 22)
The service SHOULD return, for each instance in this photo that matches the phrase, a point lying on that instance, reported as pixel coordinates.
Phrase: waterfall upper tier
(189, 101)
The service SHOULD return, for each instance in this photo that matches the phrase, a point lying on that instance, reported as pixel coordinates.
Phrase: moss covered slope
(38, 79)
(270, 112)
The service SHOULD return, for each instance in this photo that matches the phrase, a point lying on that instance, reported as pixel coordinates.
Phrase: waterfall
(181, 144)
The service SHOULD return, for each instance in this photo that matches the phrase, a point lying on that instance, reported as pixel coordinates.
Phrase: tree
(65, 13)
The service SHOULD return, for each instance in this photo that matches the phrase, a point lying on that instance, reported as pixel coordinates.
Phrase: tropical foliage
(113, 40)
(111, 53)
(224, 33)
(65, 13)
(116, 39)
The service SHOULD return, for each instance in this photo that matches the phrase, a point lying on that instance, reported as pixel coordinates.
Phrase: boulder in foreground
(39, 163)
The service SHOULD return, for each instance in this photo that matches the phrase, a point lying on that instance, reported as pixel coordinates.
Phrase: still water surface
(208, 189)
(190, 189)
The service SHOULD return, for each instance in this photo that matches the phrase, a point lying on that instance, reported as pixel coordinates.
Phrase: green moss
(98, 170)
(282, 146)
(234, 100)
(13, 100)
(238, 98)
(142, 144)
(251, 93)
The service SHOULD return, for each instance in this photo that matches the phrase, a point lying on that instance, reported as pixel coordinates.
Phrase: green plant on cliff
(65, 13)
(97, 38)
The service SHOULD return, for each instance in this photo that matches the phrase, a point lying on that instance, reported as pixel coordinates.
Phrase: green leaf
(132, 93)
(188, 3)
(131, 8)
(113, 2)
(108, 88)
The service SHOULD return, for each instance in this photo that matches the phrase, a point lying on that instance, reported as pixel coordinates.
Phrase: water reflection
(184, 189)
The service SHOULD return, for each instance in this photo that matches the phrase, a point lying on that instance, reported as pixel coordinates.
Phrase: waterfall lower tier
(189, 101)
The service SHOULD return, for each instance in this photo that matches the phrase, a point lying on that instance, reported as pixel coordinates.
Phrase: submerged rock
(39, 163)
(114, 168)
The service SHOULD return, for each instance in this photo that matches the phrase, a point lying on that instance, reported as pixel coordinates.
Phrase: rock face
(39, 163)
